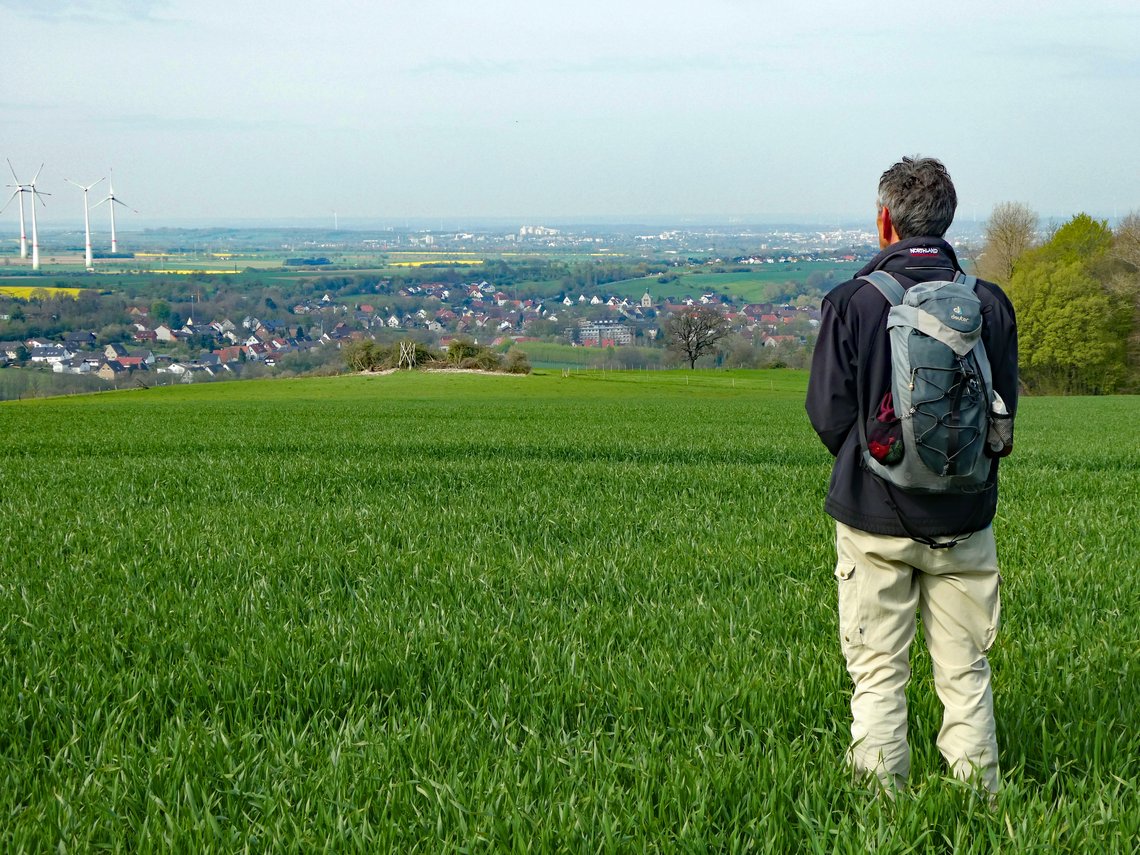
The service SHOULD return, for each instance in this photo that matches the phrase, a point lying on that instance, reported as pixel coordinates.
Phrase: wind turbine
(20, 190)
(86, 222)
(114, 200)
(36, 194)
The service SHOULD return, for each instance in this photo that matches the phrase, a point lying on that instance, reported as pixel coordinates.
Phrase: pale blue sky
(211, 110)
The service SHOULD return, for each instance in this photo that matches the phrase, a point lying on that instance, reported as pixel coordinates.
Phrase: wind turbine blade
(9, 202)
(124, 204)
(12, 169)
(37, 175)
(86, 189)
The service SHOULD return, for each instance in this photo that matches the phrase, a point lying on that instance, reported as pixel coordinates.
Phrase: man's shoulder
(992, 290)
(840, 297)
(996, 304)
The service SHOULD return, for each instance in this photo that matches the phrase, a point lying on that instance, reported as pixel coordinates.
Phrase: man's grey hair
(920, 196)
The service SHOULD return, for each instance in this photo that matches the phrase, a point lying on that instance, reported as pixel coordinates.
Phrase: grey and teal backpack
(929, 432)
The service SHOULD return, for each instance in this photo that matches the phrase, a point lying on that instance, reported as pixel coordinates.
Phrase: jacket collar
(916, 258)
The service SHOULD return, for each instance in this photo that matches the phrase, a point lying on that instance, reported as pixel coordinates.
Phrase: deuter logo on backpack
(933, 431)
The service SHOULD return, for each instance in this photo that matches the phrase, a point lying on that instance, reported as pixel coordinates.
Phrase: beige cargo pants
(883, 581)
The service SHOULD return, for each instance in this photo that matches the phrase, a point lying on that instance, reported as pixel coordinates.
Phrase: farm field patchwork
(751, 285)
(423, 612)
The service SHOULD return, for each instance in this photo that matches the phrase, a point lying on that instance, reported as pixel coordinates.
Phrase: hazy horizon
(670, 112)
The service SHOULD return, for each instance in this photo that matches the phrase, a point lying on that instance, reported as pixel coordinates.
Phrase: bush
(462, 349)
(483, 360)
(368, 355)
(362, 355)
(517, 363)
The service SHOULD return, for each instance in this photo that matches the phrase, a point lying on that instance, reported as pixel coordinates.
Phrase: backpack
(929, 433)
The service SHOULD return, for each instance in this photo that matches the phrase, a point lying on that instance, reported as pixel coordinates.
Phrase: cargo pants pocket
(995, 618)
(851, 630)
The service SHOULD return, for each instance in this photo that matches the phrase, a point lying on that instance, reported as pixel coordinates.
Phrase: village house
(112, 369)
(50, 354)
(78, 364)
(12, 351)
(133, 363)
(164, 333)
(79, 340)
(232, 353)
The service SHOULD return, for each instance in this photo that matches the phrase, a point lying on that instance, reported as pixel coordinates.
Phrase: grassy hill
(592, 612)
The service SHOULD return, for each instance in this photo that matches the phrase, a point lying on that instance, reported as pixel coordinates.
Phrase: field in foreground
(596, 613)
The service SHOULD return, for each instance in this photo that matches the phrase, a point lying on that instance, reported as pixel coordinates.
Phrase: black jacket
(852, 355)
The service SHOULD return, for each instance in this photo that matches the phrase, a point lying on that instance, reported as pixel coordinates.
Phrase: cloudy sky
(213, 110)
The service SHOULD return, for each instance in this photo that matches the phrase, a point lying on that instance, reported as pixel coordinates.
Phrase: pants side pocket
(851, 630)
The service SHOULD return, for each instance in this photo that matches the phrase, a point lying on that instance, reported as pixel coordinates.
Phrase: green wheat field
(585, 613)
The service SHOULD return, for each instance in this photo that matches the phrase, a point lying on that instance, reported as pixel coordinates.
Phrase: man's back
(852, 363)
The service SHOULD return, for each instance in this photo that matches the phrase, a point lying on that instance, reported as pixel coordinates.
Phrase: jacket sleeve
(1000, 338)
(832, 400)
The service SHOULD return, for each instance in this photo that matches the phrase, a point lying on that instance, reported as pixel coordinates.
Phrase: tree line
(1076, 293)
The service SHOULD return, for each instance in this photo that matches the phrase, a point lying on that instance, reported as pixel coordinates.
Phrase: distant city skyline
(657, 112)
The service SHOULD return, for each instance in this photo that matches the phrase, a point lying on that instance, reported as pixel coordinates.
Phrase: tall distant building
(604, 332)
(646, 300)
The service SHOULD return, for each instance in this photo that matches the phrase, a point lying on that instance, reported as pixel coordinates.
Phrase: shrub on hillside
(517, 363)
(368, 355)
(484, 360)
(461, 350)
(362, 355)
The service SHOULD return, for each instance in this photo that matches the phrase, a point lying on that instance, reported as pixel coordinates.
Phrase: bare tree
(695, 332)
(1012, 230)
(1126, 245)
(1125, 286)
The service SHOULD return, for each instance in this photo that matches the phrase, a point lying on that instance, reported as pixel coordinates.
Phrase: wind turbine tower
(20, 190)
(114, 200)
(86, 223)
(36, 194)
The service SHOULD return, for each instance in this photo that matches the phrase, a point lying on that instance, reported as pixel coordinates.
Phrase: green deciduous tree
(1073, 321)
(160, 312)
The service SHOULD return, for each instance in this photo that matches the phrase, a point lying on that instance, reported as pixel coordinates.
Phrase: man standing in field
(892, 545)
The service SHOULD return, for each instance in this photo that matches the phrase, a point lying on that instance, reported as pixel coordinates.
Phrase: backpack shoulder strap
(888, 286)
(968, 281)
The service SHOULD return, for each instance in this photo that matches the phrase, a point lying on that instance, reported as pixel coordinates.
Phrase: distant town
(194, 305)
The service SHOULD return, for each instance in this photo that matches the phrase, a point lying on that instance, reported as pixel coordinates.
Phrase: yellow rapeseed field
(190, 272)
(470, 262)
(24, 292)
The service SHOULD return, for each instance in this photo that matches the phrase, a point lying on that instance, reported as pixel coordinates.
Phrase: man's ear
(886, 228)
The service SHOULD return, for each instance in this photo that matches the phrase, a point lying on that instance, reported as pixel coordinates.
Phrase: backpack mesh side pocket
(999, 436)
(885, 434)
